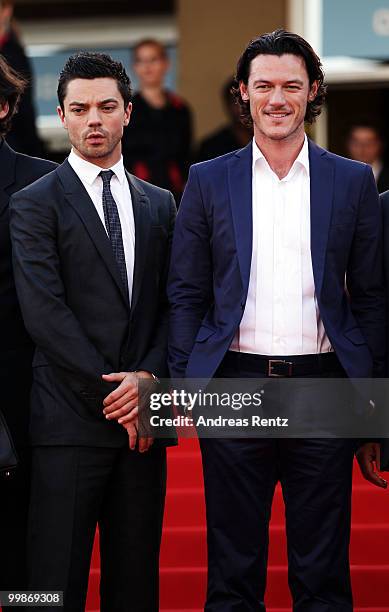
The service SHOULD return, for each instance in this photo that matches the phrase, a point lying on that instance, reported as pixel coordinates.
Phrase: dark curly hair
(278, 43)
(87, 65)
(12, 86)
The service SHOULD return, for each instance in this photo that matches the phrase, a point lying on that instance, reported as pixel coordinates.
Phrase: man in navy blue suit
(264, 241)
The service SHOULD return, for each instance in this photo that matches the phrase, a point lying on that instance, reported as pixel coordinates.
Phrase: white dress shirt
(377, 168)
(281, 315)
(89, 176)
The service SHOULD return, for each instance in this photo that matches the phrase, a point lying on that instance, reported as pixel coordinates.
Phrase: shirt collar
(302, 158)
(88, 172)
(377, 167)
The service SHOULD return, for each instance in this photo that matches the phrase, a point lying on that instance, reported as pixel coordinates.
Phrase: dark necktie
(114, 228)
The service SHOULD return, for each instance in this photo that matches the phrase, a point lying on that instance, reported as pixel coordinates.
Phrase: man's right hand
(369, 457)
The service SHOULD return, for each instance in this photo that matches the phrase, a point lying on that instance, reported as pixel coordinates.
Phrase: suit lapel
(142, 218)
(79, 199)
(7, 173)
(321, 171)
(240, 189)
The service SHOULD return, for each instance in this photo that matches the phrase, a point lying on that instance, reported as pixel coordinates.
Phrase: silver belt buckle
(273, 362)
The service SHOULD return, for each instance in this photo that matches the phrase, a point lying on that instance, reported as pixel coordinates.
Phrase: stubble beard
(98, 152)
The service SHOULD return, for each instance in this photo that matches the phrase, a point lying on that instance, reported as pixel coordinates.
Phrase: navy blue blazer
(211, 258)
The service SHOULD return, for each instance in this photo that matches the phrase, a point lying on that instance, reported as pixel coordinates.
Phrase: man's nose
(277, 97)
(94, 117)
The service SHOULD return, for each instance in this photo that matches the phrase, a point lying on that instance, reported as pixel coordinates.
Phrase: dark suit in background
(383, 179)
(384, 198)
(16, 353)
(77, 312)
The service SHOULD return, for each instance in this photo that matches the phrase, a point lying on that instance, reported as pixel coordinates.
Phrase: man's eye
(262, 87)
(77, 110)
(108, 108)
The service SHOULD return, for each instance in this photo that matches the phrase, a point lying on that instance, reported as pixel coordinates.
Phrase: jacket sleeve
(155, 360)
(190, 286)
(52, 325)
(365, 273)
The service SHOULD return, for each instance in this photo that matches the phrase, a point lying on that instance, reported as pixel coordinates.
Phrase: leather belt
(286, 366)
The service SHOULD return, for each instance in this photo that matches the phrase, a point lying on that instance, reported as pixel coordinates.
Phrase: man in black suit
(384, 198)
(91, 248)
(16, 351)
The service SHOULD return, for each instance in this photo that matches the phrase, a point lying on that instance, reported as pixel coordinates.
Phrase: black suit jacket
(76, 309)
(384, 197)
(16, 349)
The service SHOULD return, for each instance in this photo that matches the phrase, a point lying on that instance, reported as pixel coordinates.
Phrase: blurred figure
(16, 349)
(365, 144)
(23, 136)
(157, 142)
(232, 136)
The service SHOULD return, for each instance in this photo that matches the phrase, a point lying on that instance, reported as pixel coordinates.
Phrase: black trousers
(240, 476)
(14, 499)
(15, 382)
(73, 490)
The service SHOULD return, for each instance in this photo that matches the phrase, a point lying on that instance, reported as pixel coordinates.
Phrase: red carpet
(183, 555)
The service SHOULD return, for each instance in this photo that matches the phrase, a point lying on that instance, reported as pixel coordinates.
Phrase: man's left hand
(122, 404)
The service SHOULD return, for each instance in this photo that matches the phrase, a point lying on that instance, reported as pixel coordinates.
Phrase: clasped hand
(122, 405)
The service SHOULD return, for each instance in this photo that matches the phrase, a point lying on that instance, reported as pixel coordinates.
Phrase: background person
(234, 135)
(366, 144)
(158, 141)
(384, 198)
(16, 349)
(23, 135)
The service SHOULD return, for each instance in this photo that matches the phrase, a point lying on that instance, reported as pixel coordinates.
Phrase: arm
(190, 279)
(365, 280)
(42, 296)
(365, 276)
(155, 359)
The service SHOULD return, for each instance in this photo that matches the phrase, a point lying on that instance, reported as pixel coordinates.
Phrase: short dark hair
(279, 43)
(150, 42)
(12, 86)
(88, 65)
(366, 125)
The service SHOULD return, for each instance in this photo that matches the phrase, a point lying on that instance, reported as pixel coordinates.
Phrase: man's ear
(127, 114)
(313, 91)
(4, 110)
(61, 115)
(243, 92)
